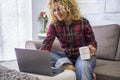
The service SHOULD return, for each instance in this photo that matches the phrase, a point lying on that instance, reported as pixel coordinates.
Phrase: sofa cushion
(33, 44)
(118, 50)
(107, 38)
(56, 45)
(101, 62)
(109, 71)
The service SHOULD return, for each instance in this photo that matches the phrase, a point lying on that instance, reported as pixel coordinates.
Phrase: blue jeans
(83, 68)
(58, 58)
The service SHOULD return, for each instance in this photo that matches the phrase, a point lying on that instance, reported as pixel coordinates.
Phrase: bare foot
(68, 67)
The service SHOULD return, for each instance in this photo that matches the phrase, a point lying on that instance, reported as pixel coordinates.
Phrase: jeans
(83, 68)
(58, 58)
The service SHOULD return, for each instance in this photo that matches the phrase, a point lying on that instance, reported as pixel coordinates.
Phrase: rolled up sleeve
(62, 61)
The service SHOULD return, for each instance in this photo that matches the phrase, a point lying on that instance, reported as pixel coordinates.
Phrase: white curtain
(15, 26)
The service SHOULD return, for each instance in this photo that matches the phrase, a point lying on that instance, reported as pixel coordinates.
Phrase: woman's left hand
(92, 50)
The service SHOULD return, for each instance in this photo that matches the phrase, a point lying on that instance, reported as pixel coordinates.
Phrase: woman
(73, 31)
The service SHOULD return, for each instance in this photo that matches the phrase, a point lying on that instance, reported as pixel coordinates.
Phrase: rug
(11, 74)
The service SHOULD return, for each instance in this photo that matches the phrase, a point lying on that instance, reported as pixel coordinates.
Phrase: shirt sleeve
(49, 39)
(89, 34)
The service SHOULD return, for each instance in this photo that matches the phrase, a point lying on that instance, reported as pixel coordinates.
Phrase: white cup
(84, 52)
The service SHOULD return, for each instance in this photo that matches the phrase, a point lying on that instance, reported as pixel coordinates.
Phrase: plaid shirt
(71, 37)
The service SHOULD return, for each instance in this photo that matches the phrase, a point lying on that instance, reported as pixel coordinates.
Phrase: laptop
(35, 61)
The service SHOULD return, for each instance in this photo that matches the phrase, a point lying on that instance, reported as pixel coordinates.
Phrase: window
(15, 26)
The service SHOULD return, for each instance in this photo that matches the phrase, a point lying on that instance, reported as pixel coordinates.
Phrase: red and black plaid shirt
(71, 37)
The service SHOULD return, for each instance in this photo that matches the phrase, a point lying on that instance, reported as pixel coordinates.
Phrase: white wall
(98, 12)
(0, 33)
(15, 26)
(37, 7)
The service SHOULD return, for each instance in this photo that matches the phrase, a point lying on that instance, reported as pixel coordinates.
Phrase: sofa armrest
(36, 45)
(33, 44)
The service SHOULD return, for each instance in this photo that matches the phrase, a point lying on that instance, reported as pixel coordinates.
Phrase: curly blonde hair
(70, 6)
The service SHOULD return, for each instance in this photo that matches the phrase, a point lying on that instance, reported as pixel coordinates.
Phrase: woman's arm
(49, 39)
(89, 37)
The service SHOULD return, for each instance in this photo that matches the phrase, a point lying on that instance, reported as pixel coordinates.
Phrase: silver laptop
(35, 61)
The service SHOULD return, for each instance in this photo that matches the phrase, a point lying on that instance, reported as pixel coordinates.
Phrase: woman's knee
(83, 64)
